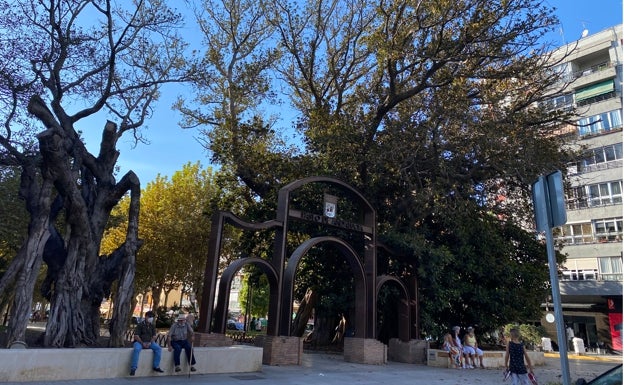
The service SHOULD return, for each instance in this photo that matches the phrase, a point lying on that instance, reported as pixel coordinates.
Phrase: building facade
(591, 279)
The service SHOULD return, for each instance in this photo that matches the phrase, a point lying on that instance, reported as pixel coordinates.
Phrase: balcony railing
(588, 203)
(593, 69)
(588, 275)
(574, 170)
(591, 239)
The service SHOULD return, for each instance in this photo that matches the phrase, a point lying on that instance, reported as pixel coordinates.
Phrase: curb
(583, 357)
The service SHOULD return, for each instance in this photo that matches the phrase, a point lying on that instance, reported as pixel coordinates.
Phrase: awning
(594, 90)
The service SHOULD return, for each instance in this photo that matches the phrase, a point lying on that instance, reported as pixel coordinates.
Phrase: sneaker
(177, 369)
(159, 370)
(193, 369)
(132, 371)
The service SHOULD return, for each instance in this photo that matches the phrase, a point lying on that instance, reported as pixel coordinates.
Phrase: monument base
(280, 350)
(410, 352)
(365, 351)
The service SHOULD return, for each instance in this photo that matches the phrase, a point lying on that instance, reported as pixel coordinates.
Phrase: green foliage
(433, 113)
(259, 294)
(175, 225)
(14, 216)
(530, 334)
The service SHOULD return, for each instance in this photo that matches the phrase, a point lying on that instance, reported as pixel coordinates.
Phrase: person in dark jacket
(145, 338)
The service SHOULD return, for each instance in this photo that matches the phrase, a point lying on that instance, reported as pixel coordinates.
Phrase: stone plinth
(365, 351)
(280, 350)
(411, 352)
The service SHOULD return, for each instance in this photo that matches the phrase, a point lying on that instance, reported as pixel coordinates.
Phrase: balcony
(588, 203)
(594, 73)
(591, 287)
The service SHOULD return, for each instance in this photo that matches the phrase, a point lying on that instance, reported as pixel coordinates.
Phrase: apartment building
(591, 280)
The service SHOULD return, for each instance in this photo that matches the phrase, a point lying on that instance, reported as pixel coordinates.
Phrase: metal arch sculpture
(282, 274)
(225, 283)
(406, 326)
(219, 219)
(289, 279)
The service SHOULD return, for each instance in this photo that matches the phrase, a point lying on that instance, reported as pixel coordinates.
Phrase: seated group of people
(178, 339)
(464, 355)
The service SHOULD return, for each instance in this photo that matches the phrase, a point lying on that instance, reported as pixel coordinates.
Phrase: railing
(596, 167)
(593, 69)
(588, 134)
(615, 237)
(241, 337)
(588, 275)
(161, 338)
(588, 203)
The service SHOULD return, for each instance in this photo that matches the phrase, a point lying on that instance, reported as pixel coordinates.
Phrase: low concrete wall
(491, 359)
(95, 363)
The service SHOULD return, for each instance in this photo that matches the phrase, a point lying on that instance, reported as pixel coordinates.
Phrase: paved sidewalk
(322, 369)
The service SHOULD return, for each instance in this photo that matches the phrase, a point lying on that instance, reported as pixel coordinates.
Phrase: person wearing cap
(145, 338)
(178, 338)
(471, 348)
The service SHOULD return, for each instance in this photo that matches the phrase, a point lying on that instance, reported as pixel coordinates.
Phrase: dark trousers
(177, 350)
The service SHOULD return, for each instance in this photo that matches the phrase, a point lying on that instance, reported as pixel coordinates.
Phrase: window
(598, 158)
(579, 275)
(559, 102)
(577, 233)
(604, 193)
(604, 122)
(608, 230)
(610, 268)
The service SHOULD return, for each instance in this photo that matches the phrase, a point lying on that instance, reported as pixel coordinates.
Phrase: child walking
(515, 355)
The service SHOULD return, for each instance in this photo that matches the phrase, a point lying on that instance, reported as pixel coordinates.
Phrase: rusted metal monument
(355, 216)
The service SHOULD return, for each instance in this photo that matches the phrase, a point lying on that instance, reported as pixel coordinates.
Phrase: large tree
(67, 61)
(175, 224)
(432, 108)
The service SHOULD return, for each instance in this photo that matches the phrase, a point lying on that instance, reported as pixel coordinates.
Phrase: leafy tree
(175, 225)
(259, 286)
(433, 109)
(68, 61)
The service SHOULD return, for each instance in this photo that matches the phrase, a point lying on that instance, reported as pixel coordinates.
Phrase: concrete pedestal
(280, 350)
(410, 352)
(365, 351)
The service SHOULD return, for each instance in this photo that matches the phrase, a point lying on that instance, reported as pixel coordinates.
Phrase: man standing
(145, 338)
(178, 338)
(570, 335)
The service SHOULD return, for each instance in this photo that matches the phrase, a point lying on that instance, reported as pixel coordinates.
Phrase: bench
(493, 359)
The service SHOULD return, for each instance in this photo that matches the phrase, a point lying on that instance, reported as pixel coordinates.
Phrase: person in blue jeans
(145, 338)
(178, 338)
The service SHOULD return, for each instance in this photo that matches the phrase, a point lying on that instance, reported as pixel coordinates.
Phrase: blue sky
(171, 146)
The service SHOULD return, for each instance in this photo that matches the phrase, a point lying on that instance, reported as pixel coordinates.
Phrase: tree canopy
(175, 224)
(67, 61)
(433, 109)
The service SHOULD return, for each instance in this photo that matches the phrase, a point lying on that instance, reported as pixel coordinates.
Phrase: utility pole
(548, 202)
